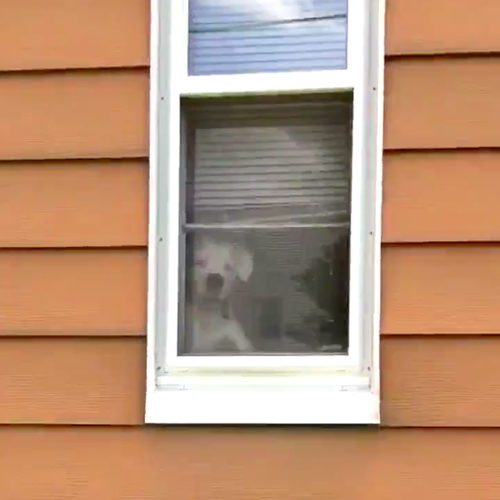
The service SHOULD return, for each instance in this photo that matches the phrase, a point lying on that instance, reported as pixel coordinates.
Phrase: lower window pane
(265, 291)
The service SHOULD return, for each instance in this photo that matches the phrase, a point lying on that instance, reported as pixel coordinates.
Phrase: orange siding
(67, 380)
(441, 196)
(442, 26)
(75, 114)
(442, 103)
(440, 381)
(73, 203)
(73, 292)
(79, 34)
(446, 289)
(426, 382)
(245, 463)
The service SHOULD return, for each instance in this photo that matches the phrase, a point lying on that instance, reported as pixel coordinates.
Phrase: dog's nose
(214, 281)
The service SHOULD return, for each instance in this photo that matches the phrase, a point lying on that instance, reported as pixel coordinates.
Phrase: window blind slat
(257, 172)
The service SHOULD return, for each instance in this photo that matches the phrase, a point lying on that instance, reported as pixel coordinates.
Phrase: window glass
(251, 36)
(266, 225)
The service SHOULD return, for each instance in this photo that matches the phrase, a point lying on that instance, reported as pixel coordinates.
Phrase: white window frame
(304, 389)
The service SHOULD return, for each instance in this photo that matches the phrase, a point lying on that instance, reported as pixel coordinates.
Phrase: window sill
(311, 400)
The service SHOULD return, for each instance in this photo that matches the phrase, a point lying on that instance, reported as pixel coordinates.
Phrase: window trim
(299, 82)
(175, 397)
(179, 86)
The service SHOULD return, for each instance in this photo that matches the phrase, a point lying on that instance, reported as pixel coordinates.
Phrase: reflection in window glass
(253, 36)
(266, 225)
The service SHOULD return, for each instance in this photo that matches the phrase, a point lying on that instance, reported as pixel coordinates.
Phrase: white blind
(268, 162)
(249, 36)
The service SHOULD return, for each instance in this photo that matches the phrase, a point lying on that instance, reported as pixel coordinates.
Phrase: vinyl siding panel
(75, 114)
(46, 34)
(442, 103)
(440, 381)
(426, 382)
(73, 292)
(73, 203)
(442, 27)
(246, 463)
(77, 381)
(446, 196)
(441, 289)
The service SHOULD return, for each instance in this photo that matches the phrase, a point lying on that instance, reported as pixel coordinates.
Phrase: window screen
(250, 36)
(266, 223)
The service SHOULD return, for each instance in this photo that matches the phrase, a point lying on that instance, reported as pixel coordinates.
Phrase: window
(264, 248)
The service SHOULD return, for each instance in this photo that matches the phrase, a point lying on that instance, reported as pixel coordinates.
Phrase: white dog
(216, 267)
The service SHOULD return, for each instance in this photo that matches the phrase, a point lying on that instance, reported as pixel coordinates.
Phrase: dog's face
(216, 266)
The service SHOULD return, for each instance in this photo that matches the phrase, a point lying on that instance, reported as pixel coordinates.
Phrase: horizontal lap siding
(427, 382)
(440, 381)
(442, 26)
(243, 464)
(73, 203)
(44, 34)
(442, 103)
(73, 292)
(441, 289)
(442, 196)
(75, 114)
(72, 381)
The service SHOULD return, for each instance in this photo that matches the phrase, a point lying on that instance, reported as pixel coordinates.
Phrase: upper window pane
(268, 160)
(259, 36)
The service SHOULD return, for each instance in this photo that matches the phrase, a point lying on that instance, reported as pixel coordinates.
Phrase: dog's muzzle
(214, 282)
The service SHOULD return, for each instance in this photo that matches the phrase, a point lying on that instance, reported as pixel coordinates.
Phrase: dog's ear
(242, 262)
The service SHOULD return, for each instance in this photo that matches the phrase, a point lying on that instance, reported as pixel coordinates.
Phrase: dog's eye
(200, 262)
